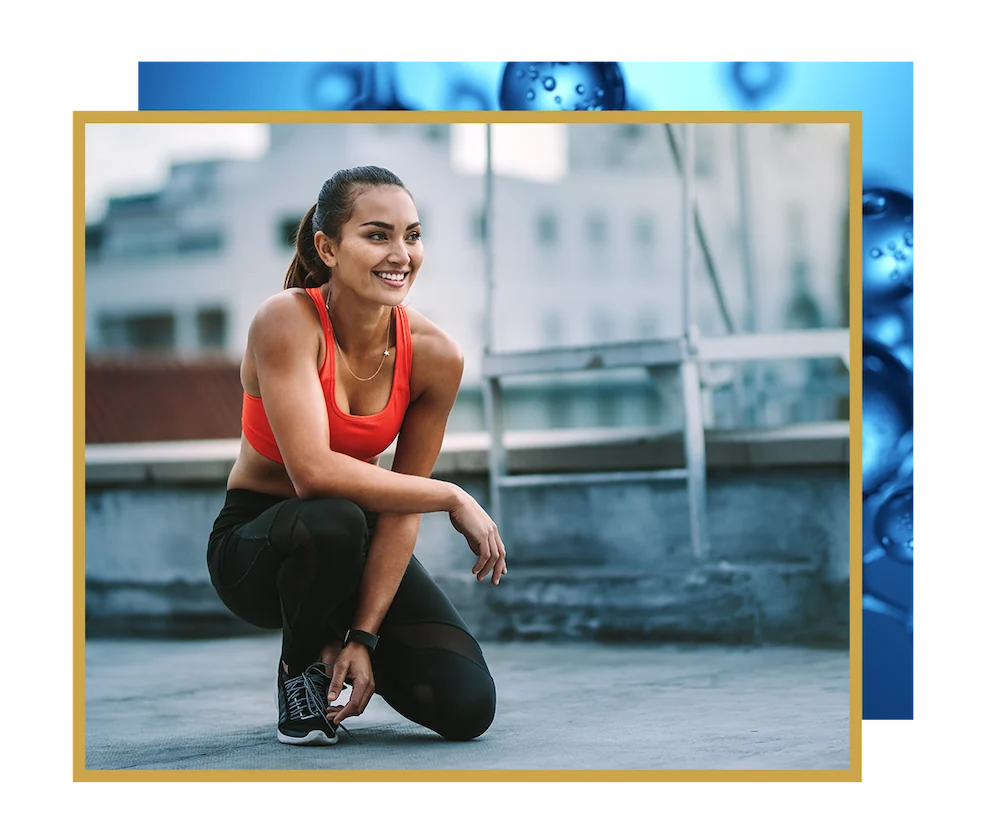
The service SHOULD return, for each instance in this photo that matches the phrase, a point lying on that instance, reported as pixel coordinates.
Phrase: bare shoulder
(283, 315)
(438, 361)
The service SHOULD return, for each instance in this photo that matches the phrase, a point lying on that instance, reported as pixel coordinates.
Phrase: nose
(398, 255)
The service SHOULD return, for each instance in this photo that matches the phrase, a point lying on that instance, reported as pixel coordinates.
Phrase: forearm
(388, 556)
(374, 488)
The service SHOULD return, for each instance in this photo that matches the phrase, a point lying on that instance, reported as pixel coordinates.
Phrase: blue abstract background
(883, 92)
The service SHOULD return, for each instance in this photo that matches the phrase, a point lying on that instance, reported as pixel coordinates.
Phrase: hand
(353, 665)
(482, 535)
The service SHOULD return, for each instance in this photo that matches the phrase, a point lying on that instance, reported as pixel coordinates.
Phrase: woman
(314, 538)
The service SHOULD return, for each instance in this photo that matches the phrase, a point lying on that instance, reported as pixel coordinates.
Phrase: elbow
(306, 483)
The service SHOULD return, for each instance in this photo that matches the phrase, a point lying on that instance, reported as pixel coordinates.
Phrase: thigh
(244, 570)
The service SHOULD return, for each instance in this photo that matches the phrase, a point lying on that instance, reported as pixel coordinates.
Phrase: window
(644, 230)
(211, 328)
(597, 230)
(288, 228)
(478, 225)
(150, 331)
(94, 241)
(547, 229)
(199, 241)
(436, 132)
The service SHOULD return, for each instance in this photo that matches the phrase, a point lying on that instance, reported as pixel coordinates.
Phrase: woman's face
(380, 249)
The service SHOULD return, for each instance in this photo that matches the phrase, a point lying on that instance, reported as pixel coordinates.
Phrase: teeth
(389, 276)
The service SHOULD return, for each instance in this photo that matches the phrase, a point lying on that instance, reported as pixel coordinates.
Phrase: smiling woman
(316, 539)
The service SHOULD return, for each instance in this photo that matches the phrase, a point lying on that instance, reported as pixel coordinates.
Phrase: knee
(326, 529)
(470, 709)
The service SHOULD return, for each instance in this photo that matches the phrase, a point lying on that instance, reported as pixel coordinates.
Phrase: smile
(392, 278)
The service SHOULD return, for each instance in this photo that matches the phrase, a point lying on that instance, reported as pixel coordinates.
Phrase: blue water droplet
(875, 253)
(519, 74)
(558, 99)
(908, 219)
(872, 203)
(532, 72)
(908, 239)
(900, 255)
(599, 92)
(887, 415)
(891, 245)
(894, 525)
(580, 89)
(530, 95)
(549, 83)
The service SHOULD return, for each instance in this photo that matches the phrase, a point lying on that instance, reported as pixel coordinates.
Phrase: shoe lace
(307, 695)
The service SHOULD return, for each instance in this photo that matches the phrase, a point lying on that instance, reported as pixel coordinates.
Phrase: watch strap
(369, 640)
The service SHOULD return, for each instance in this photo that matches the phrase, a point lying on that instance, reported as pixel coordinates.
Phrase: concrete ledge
(588, 449)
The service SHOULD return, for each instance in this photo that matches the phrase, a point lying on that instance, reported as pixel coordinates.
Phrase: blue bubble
(336, 86)
(754, 81)
(590, 85)
(892, 327)
(887, 416)
(894, 525)
(886, 219)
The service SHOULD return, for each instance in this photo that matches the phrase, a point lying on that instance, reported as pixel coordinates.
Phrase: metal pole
(492, 402)
(694, 428)
(751, 410)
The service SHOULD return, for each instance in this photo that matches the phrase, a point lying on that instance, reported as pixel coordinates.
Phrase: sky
(132, 158)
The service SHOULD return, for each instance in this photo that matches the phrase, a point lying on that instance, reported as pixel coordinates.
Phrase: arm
(392, 545)
(417, 450)
(284, 351)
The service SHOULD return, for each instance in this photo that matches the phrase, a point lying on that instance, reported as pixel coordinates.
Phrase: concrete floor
(208, 705)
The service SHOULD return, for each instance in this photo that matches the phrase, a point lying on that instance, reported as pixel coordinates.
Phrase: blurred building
(594, 257)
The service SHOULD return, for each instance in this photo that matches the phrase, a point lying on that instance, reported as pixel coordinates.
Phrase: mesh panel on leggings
(437, 635)
(435, 675)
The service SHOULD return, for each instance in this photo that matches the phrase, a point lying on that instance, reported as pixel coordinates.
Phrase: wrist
(364, 639)
(456, 496)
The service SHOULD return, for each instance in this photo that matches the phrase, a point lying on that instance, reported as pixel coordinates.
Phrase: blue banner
(883, 92)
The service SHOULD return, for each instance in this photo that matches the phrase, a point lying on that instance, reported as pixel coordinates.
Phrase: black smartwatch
(369, 640)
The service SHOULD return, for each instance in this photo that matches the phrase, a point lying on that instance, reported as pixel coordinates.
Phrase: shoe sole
(314, 738)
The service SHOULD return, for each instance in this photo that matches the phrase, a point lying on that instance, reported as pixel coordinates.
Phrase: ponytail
(306, 269)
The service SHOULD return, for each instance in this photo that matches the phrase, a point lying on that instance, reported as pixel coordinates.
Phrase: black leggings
(296, 565)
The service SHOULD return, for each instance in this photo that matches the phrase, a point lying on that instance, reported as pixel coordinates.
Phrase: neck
(360, 327)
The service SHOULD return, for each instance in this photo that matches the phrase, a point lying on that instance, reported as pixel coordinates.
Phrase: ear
(326, 249)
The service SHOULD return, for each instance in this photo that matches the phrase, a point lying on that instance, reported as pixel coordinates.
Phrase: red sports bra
(362, 437)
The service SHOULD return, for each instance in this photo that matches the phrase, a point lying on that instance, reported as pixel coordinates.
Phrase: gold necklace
(385, 353)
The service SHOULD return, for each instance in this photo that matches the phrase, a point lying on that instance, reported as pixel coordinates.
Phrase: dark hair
(333, 208)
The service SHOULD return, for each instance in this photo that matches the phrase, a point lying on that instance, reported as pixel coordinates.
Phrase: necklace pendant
(386, 353)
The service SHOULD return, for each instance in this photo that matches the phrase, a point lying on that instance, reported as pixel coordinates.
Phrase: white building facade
(594, 257)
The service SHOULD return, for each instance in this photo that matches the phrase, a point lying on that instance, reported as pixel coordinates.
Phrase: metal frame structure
(687, 353)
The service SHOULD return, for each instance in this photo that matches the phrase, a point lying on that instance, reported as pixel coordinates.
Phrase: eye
(415, 235)
(378, 235)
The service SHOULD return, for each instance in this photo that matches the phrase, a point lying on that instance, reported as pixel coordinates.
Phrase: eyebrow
(388, 226)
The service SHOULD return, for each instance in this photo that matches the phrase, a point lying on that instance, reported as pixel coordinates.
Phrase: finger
(351, 708)
(499, 570)
(484, 557)
(369, 690)
(494, 557)
(337, 682)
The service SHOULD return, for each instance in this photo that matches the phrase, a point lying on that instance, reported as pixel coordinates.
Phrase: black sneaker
(302, 708)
